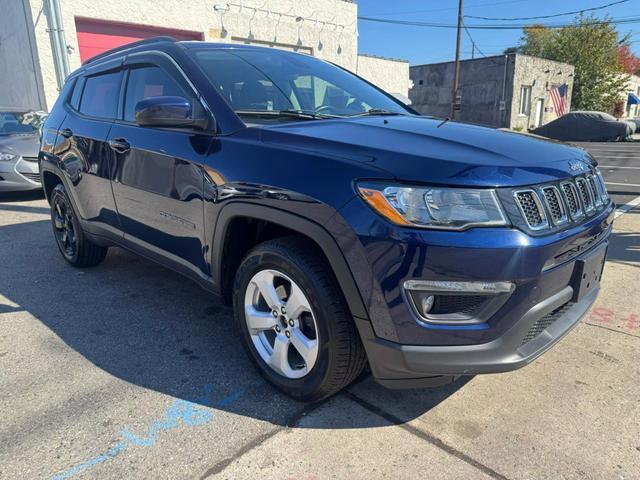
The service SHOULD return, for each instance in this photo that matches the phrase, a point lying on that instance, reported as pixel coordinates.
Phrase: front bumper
(410, 366)
(405, 352)
(20, 175)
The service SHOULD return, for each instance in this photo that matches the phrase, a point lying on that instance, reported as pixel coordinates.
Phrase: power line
(549, 16)
(475, 45)
(513, 26)
(479, 5)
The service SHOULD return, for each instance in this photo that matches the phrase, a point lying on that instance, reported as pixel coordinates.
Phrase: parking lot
(128, 371)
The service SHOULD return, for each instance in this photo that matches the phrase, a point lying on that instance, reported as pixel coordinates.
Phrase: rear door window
(150, 81)
(100, 95)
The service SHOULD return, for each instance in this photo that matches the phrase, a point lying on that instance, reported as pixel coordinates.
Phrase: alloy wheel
(281, 324)
(63, 225)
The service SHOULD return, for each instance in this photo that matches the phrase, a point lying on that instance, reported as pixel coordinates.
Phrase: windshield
(12, 123)
(255, 81)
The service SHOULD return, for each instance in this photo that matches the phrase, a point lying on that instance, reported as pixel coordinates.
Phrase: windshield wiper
(303, 114)
(376, 111)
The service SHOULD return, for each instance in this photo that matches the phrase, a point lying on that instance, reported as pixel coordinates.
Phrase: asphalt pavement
(620, 165)
(128, 371)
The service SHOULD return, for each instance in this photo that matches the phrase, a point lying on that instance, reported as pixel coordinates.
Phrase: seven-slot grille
(567, 202)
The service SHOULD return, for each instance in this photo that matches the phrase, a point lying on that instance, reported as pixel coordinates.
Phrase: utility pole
(456, 74)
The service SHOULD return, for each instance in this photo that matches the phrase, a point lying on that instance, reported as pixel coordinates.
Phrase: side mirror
(170, 112)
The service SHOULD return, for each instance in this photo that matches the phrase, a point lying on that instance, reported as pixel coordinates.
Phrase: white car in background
(19, 146)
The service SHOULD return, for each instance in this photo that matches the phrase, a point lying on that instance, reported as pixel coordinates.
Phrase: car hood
(423, 150)
(25, 144)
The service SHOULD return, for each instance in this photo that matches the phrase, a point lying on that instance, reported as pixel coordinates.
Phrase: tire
(339, 355)
(71, 240)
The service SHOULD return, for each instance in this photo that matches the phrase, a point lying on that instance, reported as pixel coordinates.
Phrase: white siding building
(632, 110)
(39, 48)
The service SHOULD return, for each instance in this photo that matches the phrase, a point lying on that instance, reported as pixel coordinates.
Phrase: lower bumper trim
(412, 365)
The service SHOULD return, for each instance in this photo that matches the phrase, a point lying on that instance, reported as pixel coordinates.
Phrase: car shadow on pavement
(627, 247)
(27, 196)
(149, 326)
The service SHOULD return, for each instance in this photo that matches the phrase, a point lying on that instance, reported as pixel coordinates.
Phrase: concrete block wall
(490, 89)
(483, 87)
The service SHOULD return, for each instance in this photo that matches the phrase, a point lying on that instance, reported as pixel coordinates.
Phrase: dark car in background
(346, 230)
(587, 127)
(19, 146)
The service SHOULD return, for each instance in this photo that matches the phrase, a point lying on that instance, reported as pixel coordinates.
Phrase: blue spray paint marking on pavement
(190, 413)
(90, 463)
(180, 410)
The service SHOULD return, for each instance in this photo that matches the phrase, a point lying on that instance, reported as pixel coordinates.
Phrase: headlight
(434, 207)
(6, 157)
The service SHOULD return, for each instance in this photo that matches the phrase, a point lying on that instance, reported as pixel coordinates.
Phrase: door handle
(66, 133)
(120, 145)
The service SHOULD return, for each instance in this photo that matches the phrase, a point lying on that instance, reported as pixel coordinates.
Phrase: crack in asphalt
(292, 422)
(295, 419)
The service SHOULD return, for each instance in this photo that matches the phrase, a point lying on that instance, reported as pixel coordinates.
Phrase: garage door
(95, 36)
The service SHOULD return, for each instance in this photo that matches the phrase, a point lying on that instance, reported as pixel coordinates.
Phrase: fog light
(459, 287)
(426, 304)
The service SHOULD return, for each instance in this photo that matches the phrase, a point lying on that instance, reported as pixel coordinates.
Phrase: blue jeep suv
(347, 231)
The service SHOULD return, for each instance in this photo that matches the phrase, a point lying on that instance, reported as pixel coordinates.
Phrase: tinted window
(275, 80)
(77, 91)
(148, 82)
(100, 95)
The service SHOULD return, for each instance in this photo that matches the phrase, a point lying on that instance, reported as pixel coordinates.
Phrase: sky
(429, 45)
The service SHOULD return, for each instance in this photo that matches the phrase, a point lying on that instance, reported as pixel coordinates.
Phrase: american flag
(559, 99)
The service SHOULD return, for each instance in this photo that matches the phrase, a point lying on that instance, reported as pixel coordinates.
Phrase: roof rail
(146, 41)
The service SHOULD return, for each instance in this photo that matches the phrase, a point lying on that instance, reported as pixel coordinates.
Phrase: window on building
(100, 95)
(525, 100)
(145, 82)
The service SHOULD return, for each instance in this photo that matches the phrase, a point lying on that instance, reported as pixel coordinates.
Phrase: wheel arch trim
(301, 225)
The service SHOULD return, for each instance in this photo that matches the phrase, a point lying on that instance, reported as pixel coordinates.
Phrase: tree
(629, 62)
(538, 41)
(591, 46)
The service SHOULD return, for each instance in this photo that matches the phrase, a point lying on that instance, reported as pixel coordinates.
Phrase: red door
(97, 36)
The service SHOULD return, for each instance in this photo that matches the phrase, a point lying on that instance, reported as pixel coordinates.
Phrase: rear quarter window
(100, 95)
(74, 101)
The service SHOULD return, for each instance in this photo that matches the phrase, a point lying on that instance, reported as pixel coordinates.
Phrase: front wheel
(74, 246)
(294, 320)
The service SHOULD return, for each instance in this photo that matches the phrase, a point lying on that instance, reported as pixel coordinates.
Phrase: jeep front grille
(549, 206)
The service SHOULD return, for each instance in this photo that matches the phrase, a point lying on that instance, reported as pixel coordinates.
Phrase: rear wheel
(294, 320)
(72, 242)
